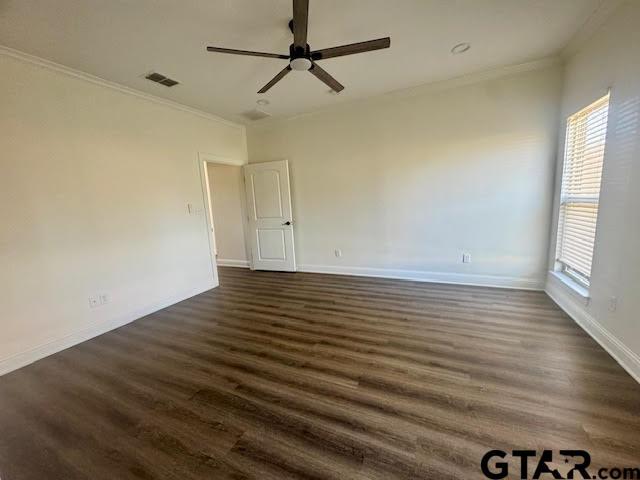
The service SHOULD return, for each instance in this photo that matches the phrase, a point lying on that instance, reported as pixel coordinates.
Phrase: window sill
(572, 284)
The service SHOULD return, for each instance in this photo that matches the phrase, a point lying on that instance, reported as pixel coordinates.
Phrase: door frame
(202, 159)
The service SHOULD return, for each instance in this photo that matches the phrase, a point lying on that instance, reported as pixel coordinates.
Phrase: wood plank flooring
(277, 376)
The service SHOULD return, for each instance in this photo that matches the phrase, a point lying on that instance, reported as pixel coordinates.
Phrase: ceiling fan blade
(246, 52)
(275, 79)
(326, 78)
(300, 23)
(351, 49)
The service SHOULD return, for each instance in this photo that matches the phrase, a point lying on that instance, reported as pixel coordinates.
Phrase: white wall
(227, 194)
(611, 58)
(94, 186)
(403, 185)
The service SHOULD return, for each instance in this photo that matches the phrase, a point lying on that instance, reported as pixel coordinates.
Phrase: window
(580, 194)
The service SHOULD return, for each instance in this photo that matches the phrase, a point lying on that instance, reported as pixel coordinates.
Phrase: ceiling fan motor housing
(299, 52)
(300, 57)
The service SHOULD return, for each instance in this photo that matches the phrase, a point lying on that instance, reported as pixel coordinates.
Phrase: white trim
(48, 64)
(209, 209)
(572, 284)
(570, 302)
(213, 158)
(208, 214)
(433, 277)
(227, 262)
(202, 160)
(23, 359)
(591, 25)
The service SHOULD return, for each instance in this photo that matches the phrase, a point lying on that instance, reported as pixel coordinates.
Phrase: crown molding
(56, 67)
(597, 18)
(423, 89)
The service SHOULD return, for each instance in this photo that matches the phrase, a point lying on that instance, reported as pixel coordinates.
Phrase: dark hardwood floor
(278, 376)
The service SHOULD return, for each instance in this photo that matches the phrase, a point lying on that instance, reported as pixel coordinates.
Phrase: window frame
(562, 267)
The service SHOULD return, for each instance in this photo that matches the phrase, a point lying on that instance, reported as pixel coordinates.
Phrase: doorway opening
(248, 213)
(226, 212)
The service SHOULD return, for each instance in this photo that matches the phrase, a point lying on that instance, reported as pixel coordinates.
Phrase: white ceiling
(121, 40)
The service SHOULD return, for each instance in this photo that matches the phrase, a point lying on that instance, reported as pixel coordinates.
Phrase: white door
(270, 220)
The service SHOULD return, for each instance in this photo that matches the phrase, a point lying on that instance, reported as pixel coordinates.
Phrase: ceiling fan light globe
(300, 64)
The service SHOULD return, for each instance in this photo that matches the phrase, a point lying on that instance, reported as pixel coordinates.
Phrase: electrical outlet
(466, 258)
(337, 252)
(94, 301)
(613, 304)
(99, 299)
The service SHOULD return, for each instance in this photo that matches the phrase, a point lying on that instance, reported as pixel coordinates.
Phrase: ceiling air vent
(256, 114)
(161, 79)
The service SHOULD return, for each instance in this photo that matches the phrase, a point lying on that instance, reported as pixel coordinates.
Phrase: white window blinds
(580, 195)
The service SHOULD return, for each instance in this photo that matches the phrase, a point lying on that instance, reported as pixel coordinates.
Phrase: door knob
(287, 223)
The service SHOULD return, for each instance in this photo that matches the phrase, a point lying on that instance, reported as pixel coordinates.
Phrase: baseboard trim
(575, 308)
(32, 355)
(432, 277)
(227, 262)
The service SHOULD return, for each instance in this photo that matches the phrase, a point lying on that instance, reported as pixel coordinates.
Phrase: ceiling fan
(301, 57)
